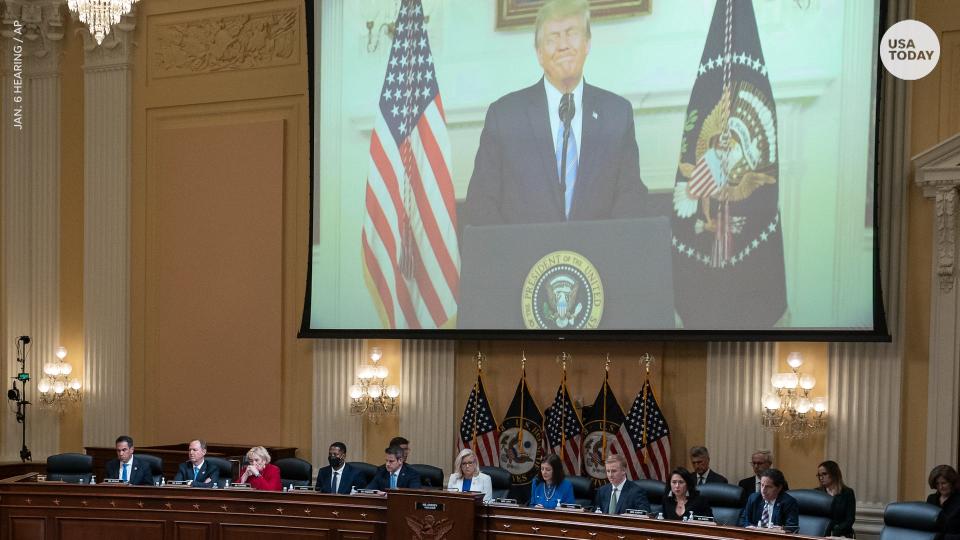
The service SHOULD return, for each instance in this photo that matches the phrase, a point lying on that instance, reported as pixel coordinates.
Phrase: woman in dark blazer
(681, 497)
(843, 510)
(944, 479)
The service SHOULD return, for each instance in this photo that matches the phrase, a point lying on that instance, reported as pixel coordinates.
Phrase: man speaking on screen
(561, 149)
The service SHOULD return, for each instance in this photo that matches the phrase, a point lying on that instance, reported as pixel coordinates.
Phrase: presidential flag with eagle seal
(727, 236)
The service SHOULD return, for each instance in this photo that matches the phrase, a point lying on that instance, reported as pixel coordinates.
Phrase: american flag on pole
(410, 254)
(478, 429)
(644, 438)
(565, 430)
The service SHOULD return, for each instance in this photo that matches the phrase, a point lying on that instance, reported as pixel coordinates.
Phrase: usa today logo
(909, 50)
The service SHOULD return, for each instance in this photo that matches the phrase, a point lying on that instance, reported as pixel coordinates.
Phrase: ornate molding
(937, 171)
(116, 51)
(946, 211)
(38, 27)
(228, 43)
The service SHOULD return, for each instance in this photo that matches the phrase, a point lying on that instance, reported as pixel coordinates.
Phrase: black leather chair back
(224, 466)
(70, 467)
(500, 479)
(155, 464)
(583, 490)
(430, 477)
(724, 500)
(366, 472)
(814, 511)
(909, 521)
(654, 490)
(295, 471)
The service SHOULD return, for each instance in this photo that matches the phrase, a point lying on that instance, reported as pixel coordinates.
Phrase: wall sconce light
(371, 396)
(789, 408)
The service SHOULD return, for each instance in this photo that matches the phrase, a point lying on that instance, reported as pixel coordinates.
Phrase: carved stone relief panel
(235, 41)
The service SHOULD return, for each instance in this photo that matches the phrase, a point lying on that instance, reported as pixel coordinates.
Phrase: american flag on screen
(565, 430)
(478, 429)
(644, 438)
(410, 253)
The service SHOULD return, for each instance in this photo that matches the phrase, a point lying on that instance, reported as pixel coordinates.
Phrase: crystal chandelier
(57, 388)
(371, 396)
(100, 15)
(789, 409)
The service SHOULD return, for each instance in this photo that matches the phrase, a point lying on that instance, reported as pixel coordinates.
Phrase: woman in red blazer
(260, 474)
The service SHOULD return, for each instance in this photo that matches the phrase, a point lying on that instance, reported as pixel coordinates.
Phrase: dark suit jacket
(698, 504)
(632, 497)
(515, 178)
(786, 512)
(713, 477)
(948, 521)
(749, 485)
(408, 478)
(349, 478)
(139, 476)
(185, 472)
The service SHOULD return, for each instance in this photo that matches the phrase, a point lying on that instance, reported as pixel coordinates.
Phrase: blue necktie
(196, 471)
(393, 481)
(572, 164)
(123, 473)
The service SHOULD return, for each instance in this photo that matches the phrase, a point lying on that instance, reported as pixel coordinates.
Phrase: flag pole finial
(479, 358)
(606, 364)
(646, 360)
(523, 360)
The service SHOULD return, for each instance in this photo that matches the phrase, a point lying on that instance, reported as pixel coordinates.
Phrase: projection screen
(691, 168)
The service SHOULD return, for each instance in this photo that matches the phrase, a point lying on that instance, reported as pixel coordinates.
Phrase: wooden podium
(415, 514)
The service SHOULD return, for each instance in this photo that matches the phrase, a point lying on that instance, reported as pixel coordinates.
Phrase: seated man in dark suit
(700, 459)
(338, 477)
(196, 469)
(772, 508)
(125, 468)
(761, 460)
(394, 474)
(620, 494)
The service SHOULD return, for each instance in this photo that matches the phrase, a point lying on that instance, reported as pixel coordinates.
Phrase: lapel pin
(595, 115)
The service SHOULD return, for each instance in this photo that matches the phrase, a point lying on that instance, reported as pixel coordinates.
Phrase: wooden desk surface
(52, 510)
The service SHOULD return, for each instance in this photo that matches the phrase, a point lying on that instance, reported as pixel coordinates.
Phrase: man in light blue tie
(395, 473)
(196, 468)
(125, 468)
(562, 149)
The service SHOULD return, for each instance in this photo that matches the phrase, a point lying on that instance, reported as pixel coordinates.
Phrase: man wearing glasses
(761, 460)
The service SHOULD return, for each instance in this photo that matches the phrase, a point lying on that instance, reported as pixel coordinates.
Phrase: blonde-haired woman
(259, 473)
(466, 475)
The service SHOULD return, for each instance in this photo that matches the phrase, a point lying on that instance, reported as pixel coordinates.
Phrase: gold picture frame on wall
(515, 14)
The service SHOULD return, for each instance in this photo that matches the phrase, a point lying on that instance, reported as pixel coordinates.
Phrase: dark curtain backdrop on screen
(676, 170)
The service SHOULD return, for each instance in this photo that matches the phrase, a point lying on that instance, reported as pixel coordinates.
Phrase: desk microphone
(567, 110)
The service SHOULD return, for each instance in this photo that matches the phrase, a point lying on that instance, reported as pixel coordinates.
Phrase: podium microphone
(567, 110)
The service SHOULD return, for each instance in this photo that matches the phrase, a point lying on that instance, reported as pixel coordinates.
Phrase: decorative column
(106, 234)
(334, 369)
(937, 171)
(31, 35)
(427, 415)
(737, 374)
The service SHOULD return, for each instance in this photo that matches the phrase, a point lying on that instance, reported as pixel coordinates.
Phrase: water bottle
(290, 488)
(227, 483)
(660, 515)
(163, 481)
(93, 479)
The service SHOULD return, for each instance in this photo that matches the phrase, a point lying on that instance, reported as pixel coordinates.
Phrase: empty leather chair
(500, 479)
(155, 463)
(654, 490)
(909, 521)
(583, 491)
(366, 471)
(70, 467)
(815, 513)
(724, 499)
(295, 471)
(430, 477)
(224, 466)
